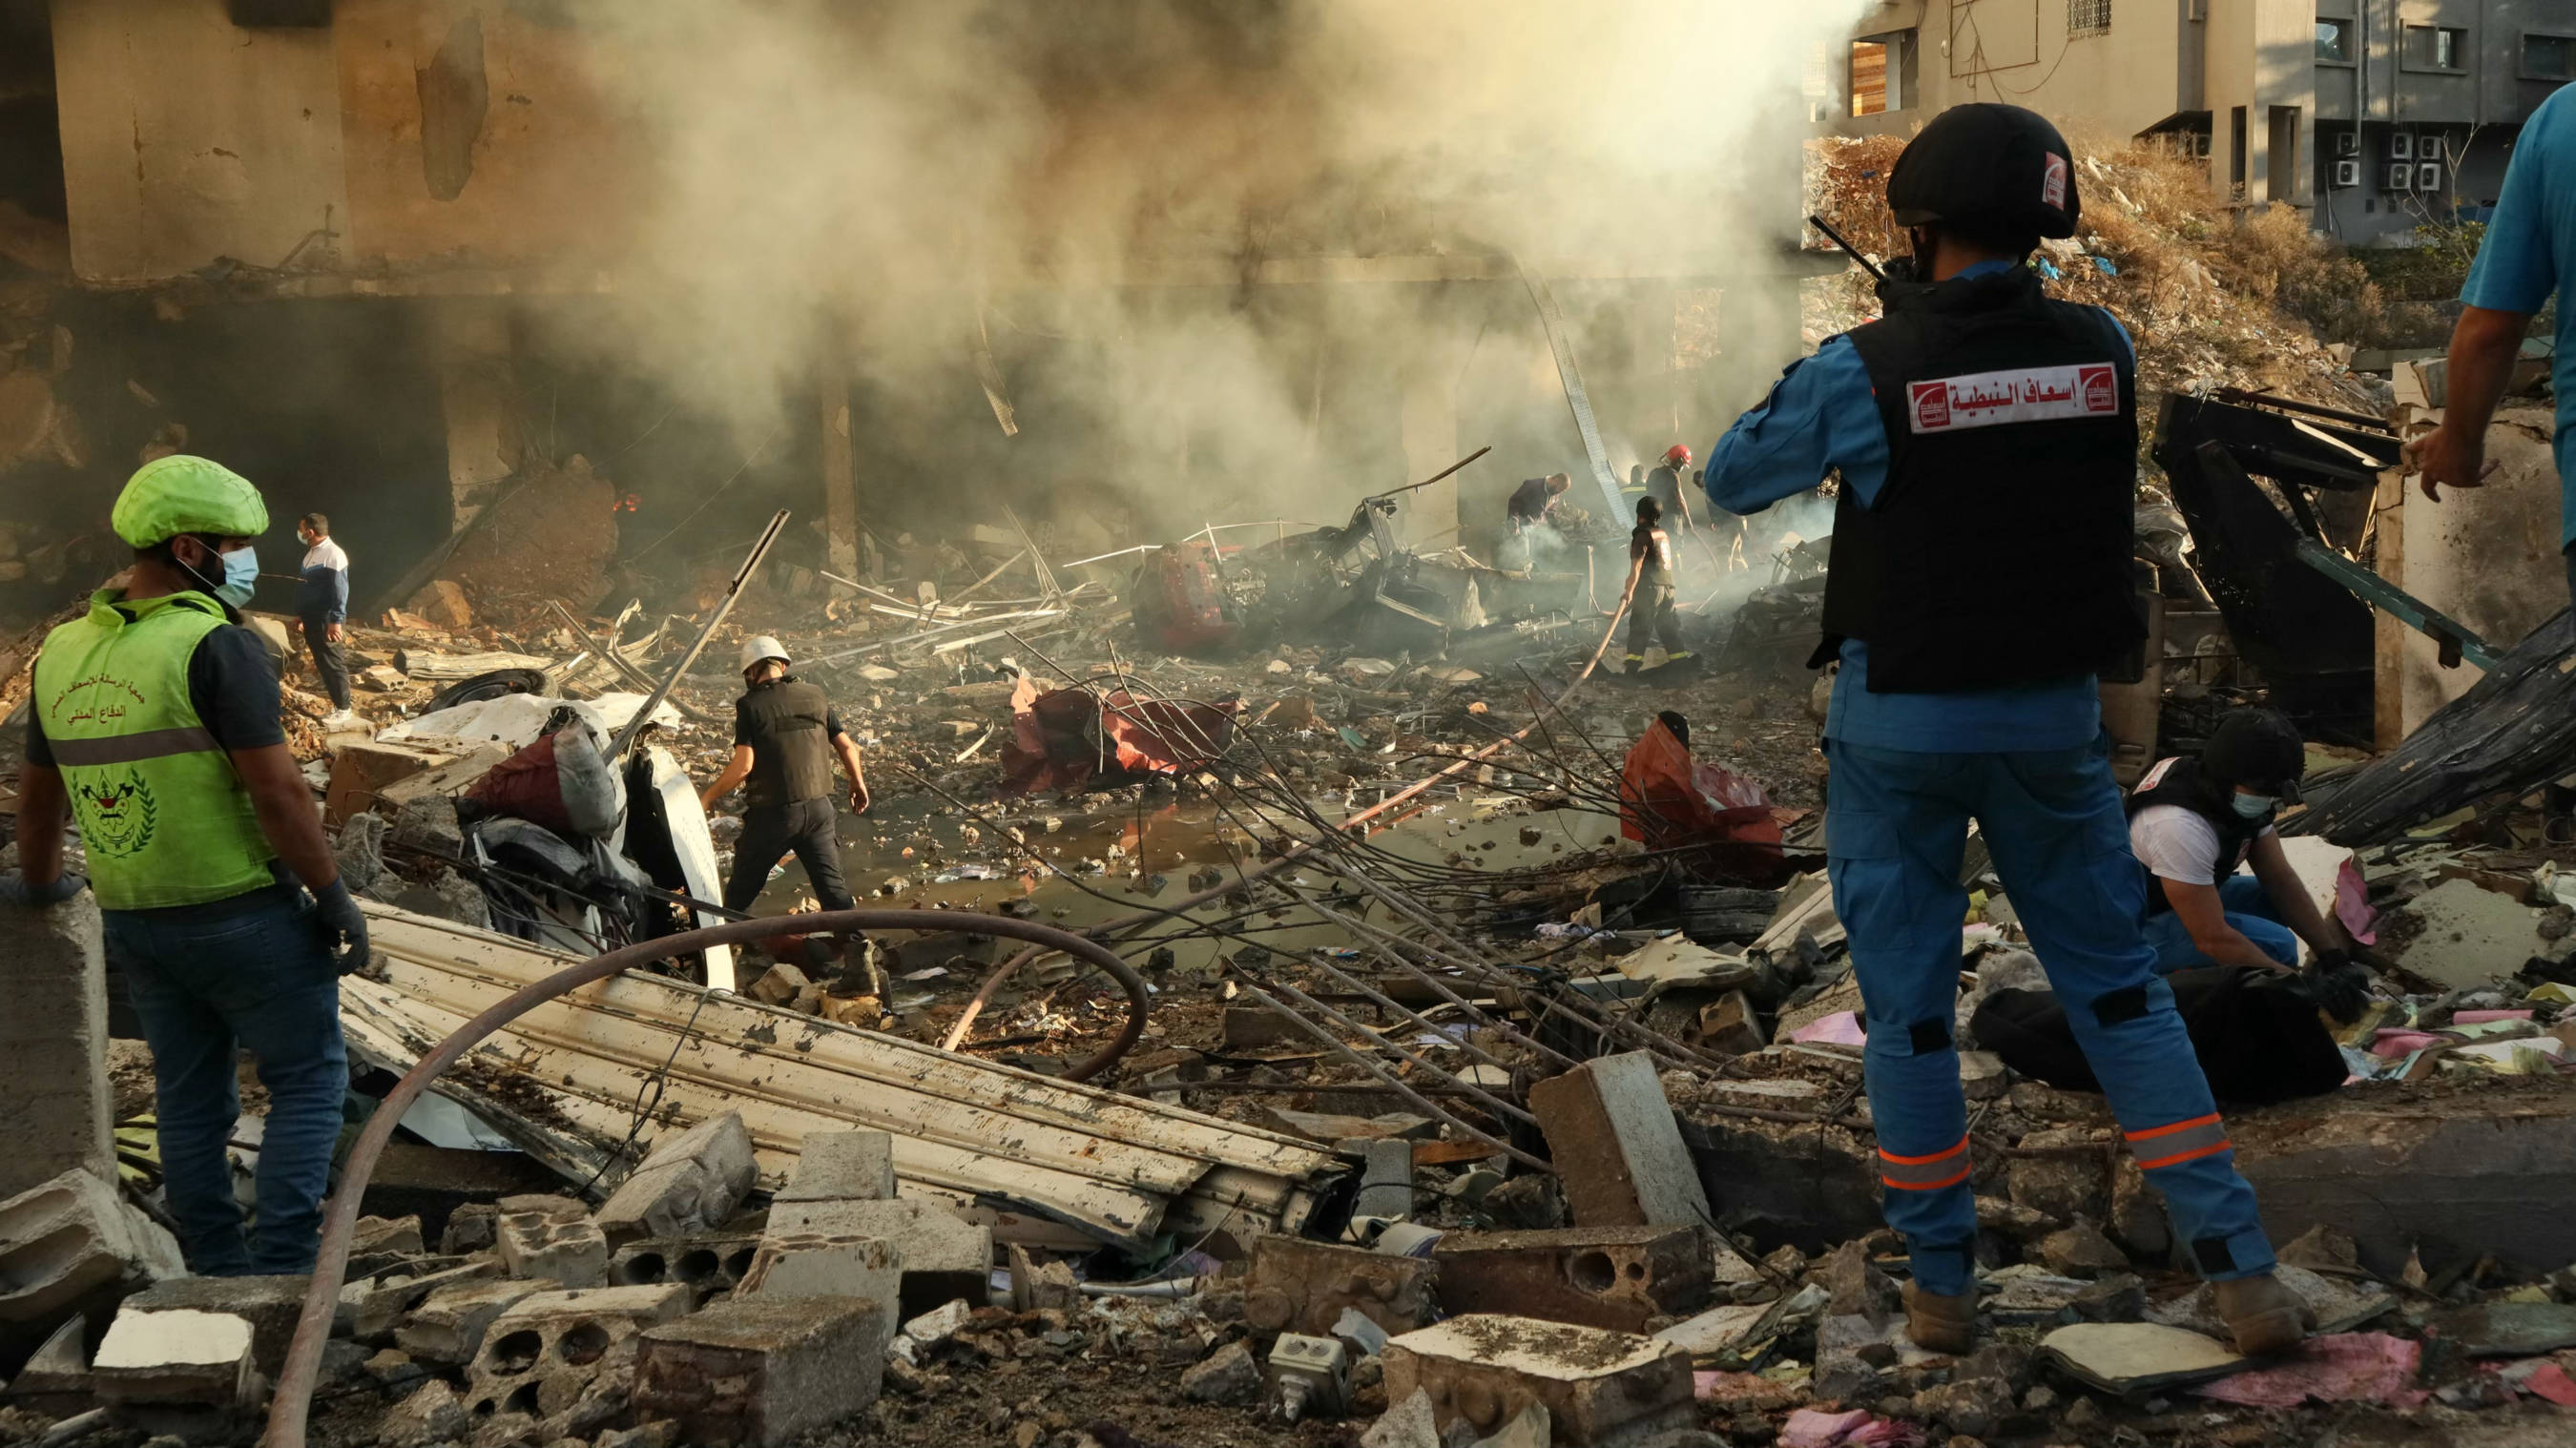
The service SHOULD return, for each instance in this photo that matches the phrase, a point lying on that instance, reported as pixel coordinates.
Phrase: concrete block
(362, 770)
(553, 1238)
(1302, 1287)
(398, 1236)
(762, 1370)
(779, 984)
(469, 1229)
(812, 1265)
(370, 1310)
(1597, 1387)
(1250, 1028)
(1617, 1149)
(71, 1245)
(944, 1256)
(447, 1327)
(53, 1045)
(176, 1358)
(688, 1183)
(540, 1354)
(1609, 1277)
(843, 1166)
(1038, 1285)
(1386, 1182)
(269, 1304)
(1729, 1027)
(710, 1263)
(1227, 1377)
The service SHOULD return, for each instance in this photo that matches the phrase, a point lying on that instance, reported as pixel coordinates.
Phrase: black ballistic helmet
(1988, 167)
(2258, 748)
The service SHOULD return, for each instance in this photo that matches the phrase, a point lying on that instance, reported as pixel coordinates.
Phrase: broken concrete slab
(538, 1355)
(1611, 1277)
(1227, 1377)
(944, 1257)
(1302, 1287)
(2469, 935)
(1728, 1026)
(1037, 1285)
(53, 1044)
(370, 1310)
(762, 1370)
(1618, 1151)
(269, 1304)
(1386, 1182)
(447, 1327)
(71, 1245)
(1714, 1333)
(843, 1166)
(2511, 1329)
(552, 1238)
(1597, 1386)
(688, 1183)
(813, 1265)
(1409, 1422)
(54, 1382)
(2339, 1307)
(182, 1357)
(2137, 1357)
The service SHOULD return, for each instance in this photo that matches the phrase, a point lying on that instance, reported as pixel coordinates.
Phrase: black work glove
(14, 889)
(2337, 986)
(342, 926)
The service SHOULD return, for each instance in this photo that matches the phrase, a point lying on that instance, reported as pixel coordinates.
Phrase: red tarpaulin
(1061, 738)
(1670, 801)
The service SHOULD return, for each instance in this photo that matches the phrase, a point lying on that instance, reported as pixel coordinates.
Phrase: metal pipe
(1413, 1058)
(290, 1408)
(733, 594)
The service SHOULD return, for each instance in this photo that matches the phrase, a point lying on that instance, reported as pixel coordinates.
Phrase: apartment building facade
(2371, 115)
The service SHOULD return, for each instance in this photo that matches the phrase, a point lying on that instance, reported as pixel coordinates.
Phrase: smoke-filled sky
(880, 172)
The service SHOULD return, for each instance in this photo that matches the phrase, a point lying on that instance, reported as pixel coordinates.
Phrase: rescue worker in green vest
(155, 718)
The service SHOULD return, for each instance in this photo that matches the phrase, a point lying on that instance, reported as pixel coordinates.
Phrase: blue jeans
(2250, 913)
(1896, 828)
(248, 972)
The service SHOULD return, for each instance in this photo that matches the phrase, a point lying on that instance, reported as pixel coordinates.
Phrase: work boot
(1939, 1322)
(1636, 664)
(2266, 1318)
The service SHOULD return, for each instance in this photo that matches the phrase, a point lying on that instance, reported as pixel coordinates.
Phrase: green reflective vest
(164, 818)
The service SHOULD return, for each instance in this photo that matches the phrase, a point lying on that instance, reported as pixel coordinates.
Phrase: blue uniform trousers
(2052, 821)
(2250, 913)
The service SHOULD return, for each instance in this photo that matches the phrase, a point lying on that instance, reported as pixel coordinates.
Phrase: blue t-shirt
(1822, 416)
(2529, 250)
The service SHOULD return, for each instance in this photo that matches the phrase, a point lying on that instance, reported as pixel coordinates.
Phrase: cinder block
(361, 771)
(370, 1310)
(1729, 1027)
(269, 1304)
(1300, 1286)
(843, 1166)
(71, 1245)
(539, 1355)
(810, 1265)
(182, 1357)
(762, 1370)
(688, 1183)
(1617, 1150)
(779, 984)
(1037, 1285)
(1598, 1387)
(1608, 1277)
(944, 1256)
(552, 1238)
(53, 1072)
(710, 1263)
(447, 1327)
(1386, 1182)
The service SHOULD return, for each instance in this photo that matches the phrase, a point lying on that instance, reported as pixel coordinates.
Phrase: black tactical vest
(785, 722)
(2178, 782)
(1998, 550)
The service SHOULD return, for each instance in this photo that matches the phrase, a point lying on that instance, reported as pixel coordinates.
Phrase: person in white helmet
(785, 733)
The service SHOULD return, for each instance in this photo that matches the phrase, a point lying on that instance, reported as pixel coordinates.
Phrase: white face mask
(2255, 806)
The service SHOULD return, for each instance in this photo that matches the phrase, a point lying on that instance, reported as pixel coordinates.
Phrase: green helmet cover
(182, 494)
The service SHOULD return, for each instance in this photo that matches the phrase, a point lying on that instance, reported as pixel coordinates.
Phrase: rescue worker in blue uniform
(1986, 439)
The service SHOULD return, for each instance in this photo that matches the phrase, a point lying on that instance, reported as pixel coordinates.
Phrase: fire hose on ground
(289, 1409)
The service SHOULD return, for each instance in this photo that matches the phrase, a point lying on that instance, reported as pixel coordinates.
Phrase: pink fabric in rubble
(1814, 1428)
(1842, 1028)
(2347, 1367)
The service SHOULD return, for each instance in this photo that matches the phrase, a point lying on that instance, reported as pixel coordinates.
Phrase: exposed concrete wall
(53, 1044)
(2113, 84)
(2486, 556)
(474, 356)
(187, 138)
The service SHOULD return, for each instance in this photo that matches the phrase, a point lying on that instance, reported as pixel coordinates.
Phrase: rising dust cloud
(888, 178)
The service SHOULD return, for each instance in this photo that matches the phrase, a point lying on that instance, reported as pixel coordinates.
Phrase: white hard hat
(761, 647)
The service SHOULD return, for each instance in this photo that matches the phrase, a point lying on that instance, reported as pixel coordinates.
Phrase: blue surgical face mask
(241, 576)
(2255, 806)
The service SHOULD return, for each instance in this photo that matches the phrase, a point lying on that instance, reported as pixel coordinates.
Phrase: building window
(2088, 17)
(2436, 47)
(2334, 40)
(1878, 65)
(2548, 57)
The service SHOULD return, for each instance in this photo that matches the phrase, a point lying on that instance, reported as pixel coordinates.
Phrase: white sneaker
(342, 721)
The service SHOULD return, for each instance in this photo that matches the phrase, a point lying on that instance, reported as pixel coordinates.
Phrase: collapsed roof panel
(563, 1078)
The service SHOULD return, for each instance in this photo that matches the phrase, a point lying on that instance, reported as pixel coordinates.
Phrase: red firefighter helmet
(1677, 456)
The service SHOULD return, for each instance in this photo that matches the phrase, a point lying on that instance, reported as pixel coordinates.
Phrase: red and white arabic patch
(2023, 394)
(2052, 181)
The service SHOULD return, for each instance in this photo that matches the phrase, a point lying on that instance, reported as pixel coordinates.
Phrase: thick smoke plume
(1096, 186)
